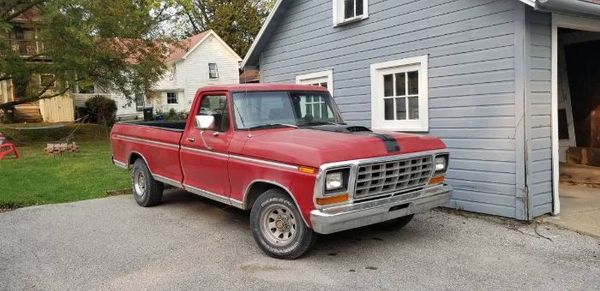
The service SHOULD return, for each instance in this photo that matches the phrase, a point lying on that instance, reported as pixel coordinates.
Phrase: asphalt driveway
(189, 242)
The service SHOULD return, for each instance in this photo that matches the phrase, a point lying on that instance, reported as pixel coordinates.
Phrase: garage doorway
(576, 122)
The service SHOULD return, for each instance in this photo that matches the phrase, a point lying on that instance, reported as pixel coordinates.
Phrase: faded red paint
(231, 177)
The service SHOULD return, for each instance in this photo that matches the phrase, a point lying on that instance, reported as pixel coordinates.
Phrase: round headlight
(334, 181)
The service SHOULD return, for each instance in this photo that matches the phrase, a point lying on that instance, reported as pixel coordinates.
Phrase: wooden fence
(58, 109)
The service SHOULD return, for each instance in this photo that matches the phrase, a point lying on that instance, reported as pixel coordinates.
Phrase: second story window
(213, 71)
(345, 11)
(353, 8)
(47, 80)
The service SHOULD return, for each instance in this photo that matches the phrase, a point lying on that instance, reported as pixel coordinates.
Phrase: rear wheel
(146, 191)
(278, 227)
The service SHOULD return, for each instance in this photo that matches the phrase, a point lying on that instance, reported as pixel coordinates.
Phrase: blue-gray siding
(472, 100)
(539, 112)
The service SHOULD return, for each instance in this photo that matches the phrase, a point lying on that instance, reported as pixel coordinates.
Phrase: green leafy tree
(113, 43)
(236, 21)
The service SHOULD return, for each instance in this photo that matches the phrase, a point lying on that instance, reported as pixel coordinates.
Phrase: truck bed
(168, 125)
(157, 142)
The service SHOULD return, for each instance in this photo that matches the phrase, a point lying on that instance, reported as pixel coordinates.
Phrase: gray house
(488, 76)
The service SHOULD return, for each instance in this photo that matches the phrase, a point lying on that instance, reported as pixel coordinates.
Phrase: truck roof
(263, 87)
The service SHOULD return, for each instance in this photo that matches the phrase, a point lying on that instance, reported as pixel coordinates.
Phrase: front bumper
(339, 218)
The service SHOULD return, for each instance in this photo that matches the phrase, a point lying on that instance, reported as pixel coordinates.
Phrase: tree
(113, 43)
(236, 21)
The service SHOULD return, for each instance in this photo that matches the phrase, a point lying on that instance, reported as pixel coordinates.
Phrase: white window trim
(378, 121)
(312, 77)
(338, 13)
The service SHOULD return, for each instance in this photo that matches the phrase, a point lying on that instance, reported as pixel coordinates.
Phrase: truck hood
(319, 145)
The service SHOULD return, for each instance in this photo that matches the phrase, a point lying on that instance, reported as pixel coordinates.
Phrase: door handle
(191, 139)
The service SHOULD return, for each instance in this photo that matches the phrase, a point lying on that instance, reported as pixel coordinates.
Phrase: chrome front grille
(392, 176)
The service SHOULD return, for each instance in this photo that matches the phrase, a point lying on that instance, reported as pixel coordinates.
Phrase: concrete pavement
(579, 209)
(190, 242)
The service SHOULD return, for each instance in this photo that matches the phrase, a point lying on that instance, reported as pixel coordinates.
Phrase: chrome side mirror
(204, 122)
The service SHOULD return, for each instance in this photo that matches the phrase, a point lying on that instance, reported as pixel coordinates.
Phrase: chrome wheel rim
(279, 224)
(139, 183)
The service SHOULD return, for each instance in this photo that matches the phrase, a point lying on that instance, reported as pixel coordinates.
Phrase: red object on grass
(7, 148)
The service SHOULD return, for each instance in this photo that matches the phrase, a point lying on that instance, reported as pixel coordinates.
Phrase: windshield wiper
(270, 125)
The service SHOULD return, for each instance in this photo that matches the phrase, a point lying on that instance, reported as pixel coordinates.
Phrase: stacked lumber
(60, 148)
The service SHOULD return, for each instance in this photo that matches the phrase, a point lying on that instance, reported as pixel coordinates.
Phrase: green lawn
(37, 178)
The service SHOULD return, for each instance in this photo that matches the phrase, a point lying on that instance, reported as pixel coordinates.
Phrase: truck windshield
(254, 110)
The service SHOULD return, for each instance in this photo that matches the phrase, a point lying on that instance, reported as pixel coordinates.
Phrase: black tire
(394, 224)
(150, 193)
(269, 209)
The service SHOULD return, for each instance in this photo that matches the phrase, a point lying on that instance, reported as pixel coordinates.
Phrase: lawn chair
(7, 148)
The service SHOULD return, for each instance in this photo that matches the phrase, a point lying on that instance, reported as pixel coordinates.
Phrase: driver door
(204, 153)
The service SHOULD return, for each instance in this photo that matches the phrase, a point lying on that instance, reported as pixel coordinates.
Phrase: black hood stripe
(391, 144)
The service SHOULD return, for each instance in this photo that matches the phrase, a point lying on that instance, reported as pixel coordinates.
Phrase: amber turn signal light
(436, 180)
(307, 170)
(332, 199)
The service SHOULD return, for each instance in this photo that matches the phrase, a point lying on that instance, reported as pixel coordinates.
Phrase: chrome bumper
(120, 164)
(339, 218)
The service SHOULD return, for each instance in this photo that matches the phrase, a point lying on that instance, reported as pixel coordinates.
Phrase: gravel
(190, 242)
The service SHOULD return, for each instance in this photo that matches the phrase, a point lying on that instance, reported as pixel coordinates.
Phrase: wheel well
(133, 157)
(257, 189)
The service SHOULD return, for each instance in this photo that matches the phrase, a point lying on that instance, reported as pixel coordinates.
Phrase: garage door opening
(578, 114)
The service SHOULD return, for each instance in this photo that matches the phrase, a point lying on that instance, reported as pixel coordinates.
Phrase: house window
(172, 98)
(399, 95)
(345, 11)
(213, 71)
(323, 79)
(47, 80)
(139, 102)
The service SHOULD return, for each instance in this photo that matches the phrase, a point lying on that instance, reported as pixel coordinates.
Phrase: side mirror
(204, 122)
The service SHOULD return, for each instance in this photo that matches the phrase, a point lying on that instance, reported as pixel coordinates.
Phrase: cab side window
(216, 106)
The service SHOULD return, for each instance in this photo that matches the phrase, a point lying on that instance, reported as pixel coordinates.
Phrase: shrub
(102, 110)
(173, 115)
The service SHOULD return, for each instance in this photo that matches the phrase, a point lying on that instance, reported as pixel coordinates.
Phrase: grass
(37, 178)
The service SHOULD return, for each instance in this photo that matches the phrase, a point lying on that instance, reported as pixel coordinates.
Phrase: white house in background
(201, 60)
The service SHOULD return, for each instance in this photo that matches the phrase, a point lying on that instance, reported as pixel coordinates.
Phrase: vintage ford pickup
(284, 153)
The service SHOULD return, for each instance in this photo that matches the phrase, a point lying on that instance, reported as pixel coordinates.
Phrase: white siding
(192, 74)
(125, 108)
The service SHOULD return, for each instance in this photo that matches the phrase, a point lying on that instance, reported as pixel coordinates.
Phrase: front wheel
(278, 227)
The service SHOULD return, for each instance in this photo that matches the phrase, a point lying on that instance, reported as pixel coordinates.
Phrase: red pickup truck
(284, 153)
